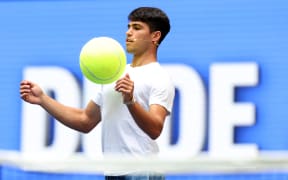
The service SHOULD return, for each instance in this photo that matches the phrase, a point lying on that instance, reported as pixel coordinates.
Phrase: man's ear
(156, 35)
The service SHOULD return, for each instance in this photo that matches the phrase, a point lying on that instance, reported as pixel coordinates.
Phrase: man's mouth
(130, 40)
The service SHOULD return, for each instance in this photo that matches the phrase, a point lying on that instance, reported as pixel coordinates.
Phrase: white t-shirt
(120, 133)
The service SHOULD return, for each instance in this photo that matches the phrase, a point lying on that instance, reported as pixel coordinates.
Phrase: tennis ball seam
(103, 79)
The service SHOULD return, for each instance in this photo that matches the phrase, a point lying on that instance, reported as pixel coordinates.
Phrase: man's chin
(128, 50)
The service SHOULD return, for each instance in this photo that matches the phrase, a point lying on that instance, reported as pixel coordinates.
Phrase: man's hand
(30, 92)
(126, 86)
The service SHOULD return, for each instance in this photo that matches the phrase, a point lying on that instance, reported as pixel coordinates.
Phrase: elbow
(155, 134)
(154, 137)
(86, 126)
(86, 130)
(156, 131)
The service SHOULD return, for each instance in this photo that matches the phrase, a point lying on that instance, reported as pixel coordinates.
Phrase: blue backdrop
(203, 32)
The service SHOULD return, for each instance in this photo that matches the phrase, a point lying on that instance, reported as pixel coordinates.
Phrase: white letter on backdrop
(192, 113)
(225, 114)
(35, 119)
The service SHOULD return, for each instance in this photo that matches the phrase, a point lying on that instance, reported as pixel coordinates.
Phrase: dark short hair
(155, 18)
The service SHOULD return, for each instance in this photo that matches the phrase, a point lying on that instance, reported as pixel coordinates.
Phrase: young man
(132, 110)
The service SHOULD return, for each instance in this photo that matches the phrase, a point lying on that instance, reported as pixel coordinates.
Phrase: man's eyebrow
(134, 24)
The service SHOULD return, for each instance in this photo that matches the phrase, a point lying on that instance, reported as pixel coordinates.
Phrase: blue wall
(203, 32)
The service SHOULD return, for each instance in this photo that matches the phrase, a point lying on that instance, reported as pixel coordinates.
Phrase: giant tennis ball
(102, 60)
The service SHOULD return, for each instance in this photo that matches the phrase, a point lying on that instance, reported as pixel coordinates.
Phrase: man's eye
(137, 27)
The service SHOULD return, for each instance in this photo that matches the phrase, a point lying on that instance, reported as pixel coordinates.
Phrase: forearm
(72, 117)
(149, 121)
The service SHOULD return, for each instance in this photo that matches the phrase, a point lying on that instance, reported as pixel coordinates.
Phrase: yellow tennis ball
(102, 60)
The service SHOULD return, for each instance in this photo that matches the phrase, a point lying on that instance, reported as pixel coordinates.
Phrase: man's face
(138, 37)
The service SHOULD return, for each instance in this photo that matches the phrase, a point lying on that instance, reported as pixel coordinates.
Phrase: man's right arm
(83, 120)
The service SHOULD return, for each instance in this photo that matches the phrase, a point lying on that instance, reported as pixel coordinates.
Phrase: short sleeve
(98, 93)
(162, 93)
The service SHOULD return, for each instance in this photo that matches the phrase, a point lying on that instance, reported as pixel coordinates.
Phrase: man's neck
(143, 60)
